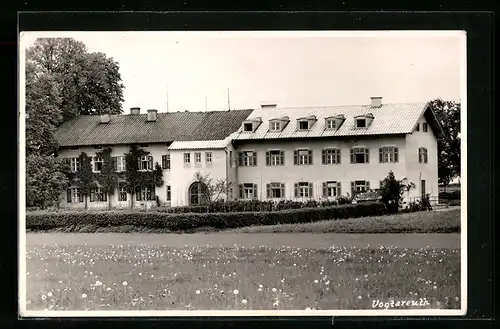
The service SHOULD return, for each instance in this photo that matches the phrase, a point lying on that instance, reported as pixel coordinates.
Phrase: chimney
(105, 118)
(135, 110)
(376, 101)
(152, 115)
(268, 106)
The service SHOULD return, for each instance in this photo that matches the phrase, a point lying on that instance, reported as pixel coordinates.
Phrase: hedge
(42, 221)
(253, 205)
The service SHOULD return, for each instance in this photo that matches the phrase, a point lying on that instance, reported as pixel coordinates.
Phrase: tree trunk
(109, 201)
(131, 200)
(86, 206)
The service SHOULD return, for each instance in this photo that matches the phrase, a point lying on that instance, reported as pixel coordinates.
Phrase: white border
(25, 38)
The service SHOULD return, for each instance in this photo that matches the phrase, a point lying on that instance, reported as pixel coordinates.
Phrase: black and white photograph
(176, 173)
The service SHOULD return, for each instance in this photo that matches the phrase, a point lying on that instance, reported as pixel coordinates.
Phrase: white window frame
(303, 190)
(144, 193)
(197, 157)
(97, 160)
(121, 191)
(247, 158)
(332, 189)
(360, 187)
(75, 165)
(275, 126)
(331, 124)
(273, 187)
(423, 156)
(208, 157)
(303, 159)
(100, 196)
(275, 158)
(75, 194)
(331, 156)
(389, 154)
(248, 189)
(365, 152)
(145, 160)
(187, 157)
(121, 163)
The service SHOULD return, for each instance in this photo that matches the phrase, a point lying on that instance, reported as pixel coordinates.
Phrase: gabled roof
(130, 129)
(388, 119)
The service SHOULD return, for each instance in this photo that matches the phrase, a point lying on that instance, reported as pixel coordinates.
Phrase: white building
(269, 153)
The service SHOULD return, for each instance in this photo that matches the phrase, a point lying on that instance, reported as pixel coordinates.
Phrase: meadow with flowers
(161, 277)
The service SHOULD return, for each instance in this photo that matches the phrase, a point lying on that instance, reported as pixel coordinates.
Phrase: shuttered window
(247, 159)
(248, 191)
(388, 154)
(422, 155)
(359, 186)
(303, 157)
(360, 155)
(165, 161)
(331, 189)
(275, 158)
(330, 156)
(303, 190)
(275, 190)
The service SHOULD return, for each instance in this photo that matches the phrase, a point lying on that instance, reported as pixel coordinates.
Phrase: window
(275, 190)
(422, 155)
(165, 161)
(388, 154)
(331, 189)
(97, 147)
(381, 184)
(248, 191)
(122, 193)
(248, 127)
(119, 163)
(197, 157)
(208, 157)
(331, 156)
(275, 126)
(247, 159)
(303, 157)
(75, 164)
(303, 125)
(146, 162)
(360, 155)
(425, 127)
(74, 195)
(145, 193)
(187, 157)
(98, 163)
(169, 193)
(360, 123)
(331, 124)
(275, 158)
(359, 186)
(418, 127)
(144, 145)
(98, 195)
(303, 190)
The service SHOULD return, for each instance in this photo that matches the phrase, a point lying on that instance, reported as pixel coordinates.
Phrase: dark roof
(169, 127)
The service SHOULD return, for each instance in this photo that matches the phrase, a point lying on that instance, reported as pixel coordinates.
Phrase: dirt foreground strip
(271, 240)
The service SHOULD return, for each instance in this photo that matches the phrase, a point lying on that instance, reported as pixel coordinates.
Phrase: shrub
(423, 204)
(40, 221)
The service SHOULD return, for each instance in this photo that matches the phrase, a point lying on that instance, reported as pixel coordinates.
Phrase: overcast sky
(286, 69)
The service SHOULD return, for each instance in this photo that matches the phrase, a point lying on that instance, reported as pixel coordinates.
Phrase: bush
(40, 221)
(423, 204)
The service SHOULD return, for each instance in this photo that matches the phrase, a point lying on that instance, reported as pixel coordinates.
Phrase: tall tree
(90, 83)
(448, 115)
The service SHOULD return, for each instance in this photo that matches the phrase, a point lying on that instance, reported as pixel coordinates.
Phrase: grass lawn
(156, 277)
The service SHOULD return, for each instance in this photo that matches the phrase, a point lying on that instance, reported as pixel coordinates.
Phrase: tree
(90, 83)
(214, 189)
(85, 177)
(107, 178)
(448, 115)
(43, 112)
(45, 181)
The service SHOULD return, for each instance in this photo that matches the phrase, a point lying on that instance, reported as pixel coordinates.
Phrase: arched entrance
(197, 193)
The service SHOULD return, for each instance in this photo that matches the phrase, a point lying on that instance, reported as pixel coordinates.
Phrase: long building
(269, 153)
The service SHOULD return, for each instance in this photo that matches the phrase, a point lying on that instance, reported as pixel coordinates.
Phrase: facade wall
(422, 171)
(179, 177)
(317, 173)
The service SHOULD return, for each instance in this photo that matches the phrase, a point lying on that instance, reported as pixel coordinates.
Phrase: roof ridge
(346, 105)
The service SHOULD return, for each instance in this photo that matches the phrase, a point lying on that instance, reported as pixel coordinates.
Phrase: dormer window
(331, 124)
(360, 123)
(363, 121)
(304, 125)
(248, 127)
(275, 126)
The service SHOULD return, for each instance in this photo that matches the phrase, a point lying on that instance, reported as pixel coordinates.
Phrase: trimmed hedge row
(253, 205)
(42, 221)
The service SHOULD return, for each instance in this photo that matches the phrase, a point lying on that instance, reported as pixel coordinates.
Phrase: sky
(196, 70)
